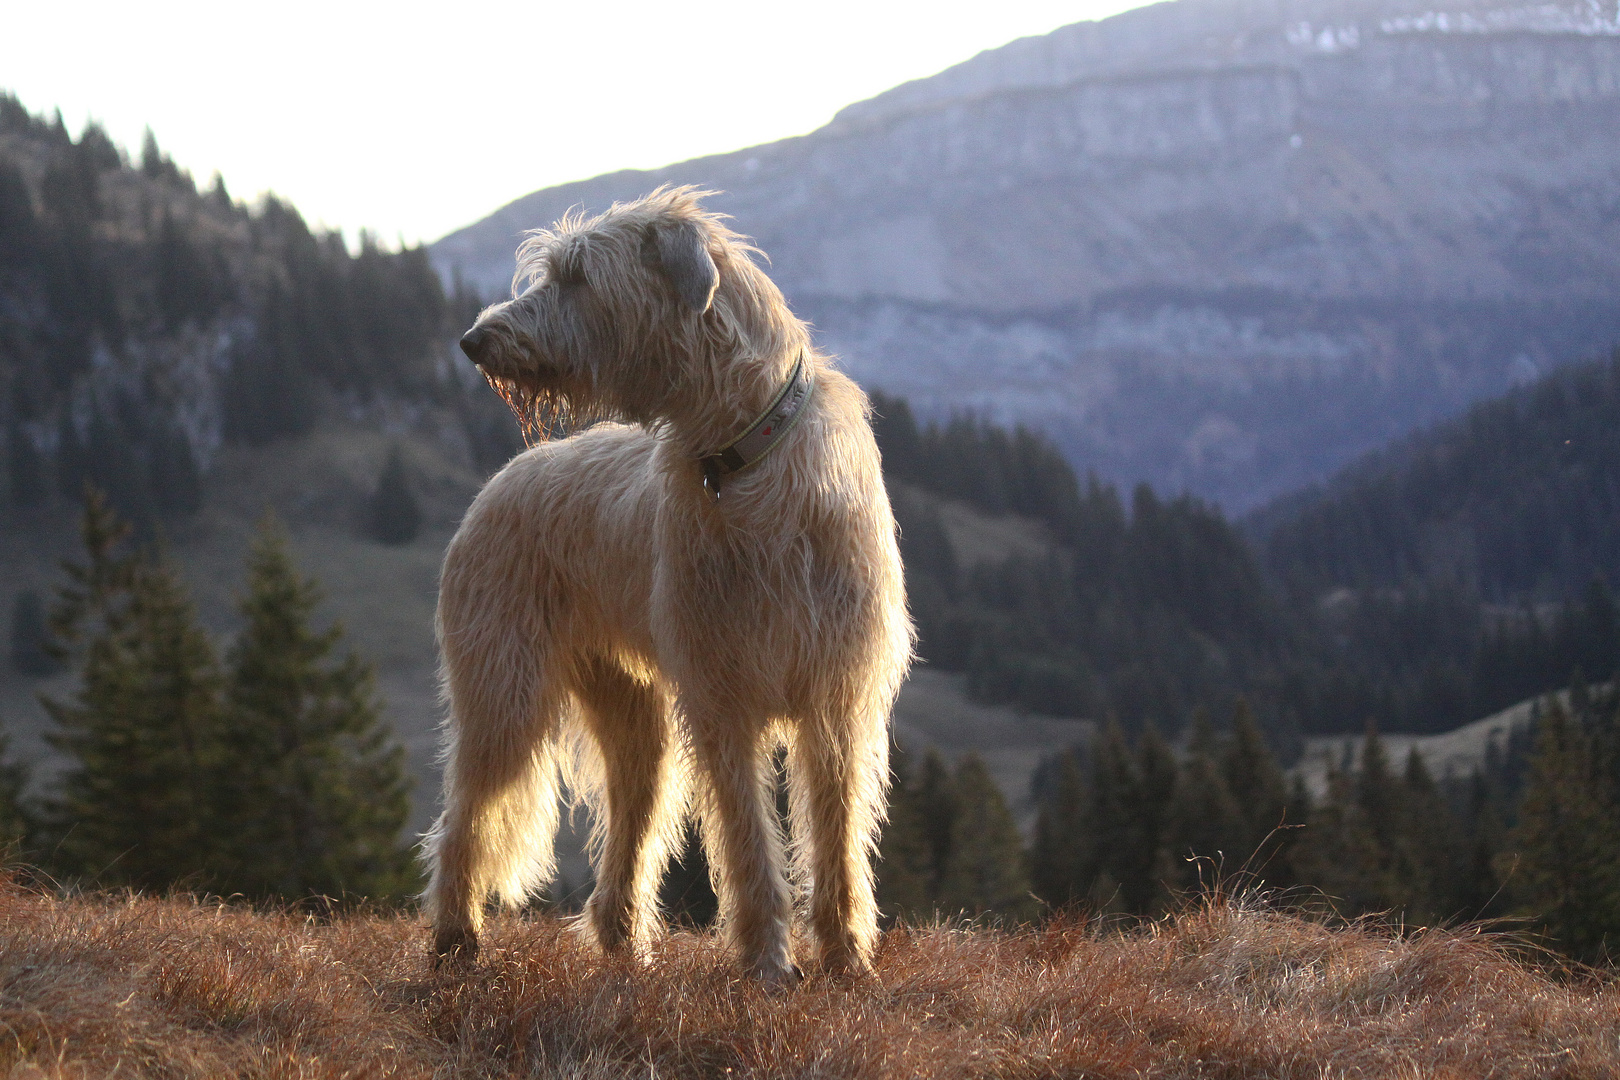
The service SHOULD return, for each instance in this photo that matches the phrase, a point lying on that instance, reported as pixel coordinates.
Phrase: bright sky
(413, 119)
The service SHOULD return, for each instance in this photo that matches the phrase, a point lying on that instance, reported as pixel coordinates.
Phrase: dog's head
(613, 311)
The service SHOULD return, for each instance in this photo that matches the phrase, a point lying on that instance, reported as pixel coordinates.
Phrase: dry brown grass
(105, 986)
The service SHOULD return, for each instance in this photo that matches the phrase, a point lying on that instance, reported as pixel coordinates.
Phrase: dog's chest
(776, 575)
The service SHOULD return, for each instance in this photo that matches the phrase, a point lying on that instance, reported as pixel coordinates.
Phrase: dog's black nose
(472, 343)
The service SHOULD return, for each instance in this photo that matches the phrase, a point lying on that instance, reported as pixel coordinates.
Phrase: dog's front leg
(744, 841)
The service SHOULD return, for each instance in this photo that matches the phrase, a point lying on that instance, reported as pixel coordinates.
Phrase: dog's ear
(683, 252)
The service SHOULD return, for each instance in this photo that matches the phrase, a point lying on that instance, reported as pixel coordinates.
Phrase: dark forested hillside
(144, 322)
(1150, 607)
(1518, 499)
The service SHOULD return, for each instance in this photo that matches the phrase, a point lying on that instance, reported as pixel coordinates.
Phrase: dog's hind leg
(629, 718)
(838, 778)
(499, 823)
(744, 841)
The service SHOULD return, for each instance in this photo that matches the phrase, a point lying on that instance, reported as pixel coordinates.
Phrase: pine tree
(1425, 849)
(393, 514)
(1260, 790)
(1567, 877)
(1207, 825)
(1351, 834)
(313, 791)
(1113, 786)
(985, 868)
(1476, 891)
(1335, 856)
(114, 463)
(186, 286)
(937, 807)
(904, 875)
(1057, 855)
(143, 731)
(1143, 875)
(1378, 799)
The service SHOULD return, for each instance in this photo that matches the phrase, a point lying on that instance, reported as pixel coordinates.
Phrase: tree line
(267, 772)
(1136, 827)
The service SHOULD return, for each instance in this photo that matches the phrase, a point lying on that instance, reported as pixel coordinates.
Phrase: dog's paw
(454, 948)
(776, 976)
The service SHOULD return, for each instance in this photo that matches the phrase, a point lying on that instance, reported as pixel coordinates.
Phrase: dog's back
(556, 528)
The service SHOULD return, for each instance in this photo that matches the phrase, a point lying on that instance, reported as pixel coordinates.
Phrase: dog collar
(762, 435)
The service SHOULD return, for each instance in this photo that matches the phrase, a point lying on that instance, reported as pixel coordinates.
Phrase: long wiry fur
(595, 596)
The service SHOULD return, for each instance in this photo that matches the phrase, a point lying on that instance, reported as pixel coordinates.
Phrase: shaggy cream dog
(652, 605)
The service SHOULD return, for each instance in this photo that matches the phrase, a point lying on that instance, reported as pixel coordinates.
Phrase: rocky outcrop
(1223, 245)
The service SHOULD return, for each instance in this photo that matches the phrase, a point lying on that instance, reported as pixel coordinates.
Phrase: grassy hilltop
(103, 986)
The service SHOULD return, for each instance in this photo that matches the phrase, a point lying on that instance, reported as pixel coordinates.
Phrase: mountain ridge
(1229, 267)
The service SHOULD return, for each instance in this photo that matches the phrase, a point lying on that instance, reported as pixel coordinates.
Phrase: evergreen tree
(393, 515)
(984, 870)
(1334, 857)
(895, 429)
(143, 732)
(1476, 892)
(114, 462)
(1113, 785)
(313, 790)
(31, 651)
(1425, 852)
(1377, 797)
(218, 195)
(1566, 874)
(937, 808)
(1146, 869)
(1058, 855)
(904, 875)
(1351, 831)
(1258, 786)
(1207, 824)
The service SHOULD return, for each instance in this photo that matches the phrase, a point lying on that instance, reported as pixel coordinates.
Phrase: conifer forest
(146, 322)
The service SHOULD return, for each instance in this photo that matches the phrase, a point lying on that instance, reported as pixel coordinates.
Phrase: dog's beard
(543, 412)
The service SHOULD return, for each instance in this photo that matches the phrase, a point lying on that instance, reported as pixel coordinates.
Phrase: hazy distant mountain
(1224, 245)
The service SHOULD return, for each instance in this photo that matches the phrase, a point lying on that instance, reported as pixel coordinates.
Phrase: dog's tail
(493, 841)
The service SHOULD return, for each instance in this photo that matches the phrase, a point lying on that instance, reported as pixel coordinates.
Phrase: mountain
(1222, 245)
(1518, 499)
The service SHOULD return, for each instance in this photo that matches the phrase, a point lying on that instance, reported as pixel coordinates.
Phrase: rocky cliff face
(1223, 245)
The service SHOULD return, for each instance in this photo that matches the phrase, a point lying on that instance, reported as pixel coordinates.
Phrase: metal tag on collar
(711, 479)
